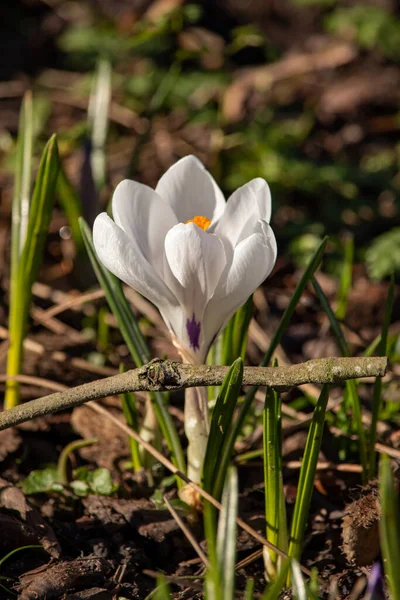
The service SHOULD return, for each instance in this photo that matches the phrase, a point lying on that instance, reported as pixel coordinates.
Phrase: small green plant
(30, 222)
(83, 482)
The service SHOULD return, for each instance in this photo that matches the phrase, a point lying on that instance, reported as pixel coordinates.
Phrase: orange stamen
(200, 221)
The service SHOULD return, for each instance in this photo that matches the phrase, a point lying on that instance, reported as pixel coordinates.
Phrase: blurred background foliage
(304, 93)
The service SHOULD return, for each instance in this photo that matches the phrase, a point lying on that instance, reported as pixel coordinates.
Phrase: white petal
(191, 190)
(196, 259)
(145, 218)
(121, 255)
(247, 205)
(253, 260)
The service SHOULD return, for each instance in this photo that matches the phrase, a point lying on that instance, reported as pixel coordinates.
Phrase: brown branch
(159, 375)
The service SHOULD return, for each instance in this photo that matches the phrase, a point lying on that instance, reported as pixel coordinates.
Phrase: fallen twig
(168, 375)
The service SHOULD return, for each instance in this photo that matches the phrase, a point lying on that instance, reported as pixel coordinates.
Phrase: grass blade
(129, 409)
(351, 385)
(98, 120)
(215, 469)
(287, 315)
(23, 181)
(40, 213)
(29, 263)
(162, 591)
(226, 536)
(334, 323)
(298, 583)
(345, 278)
(275, 589)
(235, 335)
(307, 475)
(389, 527)
(275, 511)
(136, 344)
(249, 591)
(72, 206)
(377, 391)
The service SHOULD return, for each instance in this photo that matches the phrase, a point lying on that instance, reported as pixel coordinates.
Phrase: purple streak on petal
(193, 328)
(375, 584)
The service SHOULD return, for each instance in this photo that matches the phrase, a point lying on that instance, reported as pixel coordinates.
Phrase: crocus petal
(121, 255)
(196, 260)
(253, 260)
(145, 218)
(191, 190)
(247, 205)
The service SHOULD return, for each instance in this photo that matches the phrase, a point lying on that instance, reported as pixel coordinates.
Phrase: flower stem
(197, 428)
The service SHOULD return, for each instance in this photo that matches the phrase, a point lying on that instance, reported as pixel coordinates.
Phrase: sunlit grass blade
(370, 351)
(389, 527)
(165, 87)
(22, 181)
(162, 591)
(274, 590)
(72, 206)
(19, 223)
(377, 391)
(226, 536)
(275, 511)
(287, 315)
(234, 337)
(249, 591)
(351, 385)
(298, 583)
(345, 278)
(307, 476)
(29, 263)
(136, 345)
(128, 402)
(98, 120)
(334, 323)
(215, 469)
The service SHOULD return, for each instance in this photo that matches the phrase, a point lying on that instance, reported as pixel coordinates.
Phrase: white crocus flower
(195, 256)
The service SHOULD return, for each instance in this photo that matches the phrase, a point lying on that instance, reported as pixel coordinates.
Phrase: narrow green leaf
(287, 315)
(274, 590)
(136, 344)
(40, 215)
(214, 470)
(298, 583)
(345, 278)
(162, 591)
(307, 476)
(99, 103)
(128, 401)
(351, 385)
(226, 536)
(334, 323)
(72, 207)
(377, 391)
(12, 552)
(234, 337)
(389, 527)
(373, 346)
(29, 263)
(249, 591)
(275, 511)
(22, 181)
